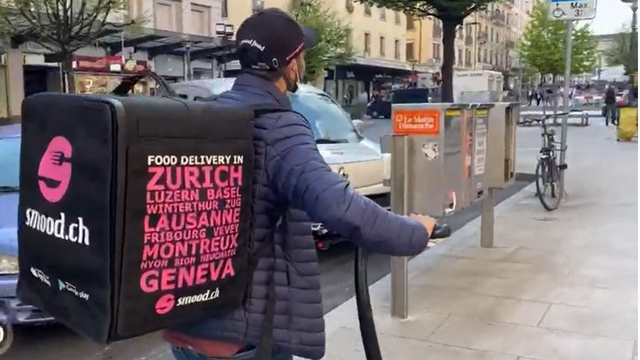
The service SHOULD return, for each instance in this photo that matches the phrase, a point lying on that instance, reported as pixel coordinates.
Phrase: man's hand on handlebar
(428, 222)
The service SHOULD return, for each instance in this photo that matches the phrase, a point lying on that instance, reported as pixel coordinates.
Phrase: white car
(355, 158)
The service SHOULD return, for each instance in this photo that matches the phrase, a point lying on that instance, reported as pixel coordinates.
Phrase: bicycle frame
(548, 149)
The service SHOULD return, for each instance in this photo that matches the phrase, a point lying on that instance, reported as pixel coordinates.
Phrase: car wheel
(6, 337)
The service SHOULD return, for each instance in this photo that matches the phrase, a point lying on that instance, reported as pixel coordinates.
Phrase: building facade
(169, 26)
(378, 37)
(487, 39)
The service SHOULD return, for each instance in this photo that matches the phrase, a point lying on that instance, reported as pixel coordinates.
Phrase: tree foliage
(542, 45)
(333, 47)
(63, 26)
(452, 14)
(621, 51)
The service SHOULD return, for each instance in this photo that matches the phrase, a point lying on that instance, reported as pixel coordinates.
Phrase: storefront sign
(108, 64)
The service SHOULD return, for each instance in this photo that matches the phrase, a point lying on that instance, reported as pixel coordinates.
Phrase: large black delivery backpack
(135, 212)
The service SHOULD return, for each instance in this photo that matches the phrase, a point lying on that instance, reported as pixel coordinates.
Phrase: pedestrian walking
(610, 112)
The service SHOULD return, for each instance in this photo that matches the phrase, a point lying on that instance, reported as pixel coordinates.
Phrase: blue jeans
(186, 354)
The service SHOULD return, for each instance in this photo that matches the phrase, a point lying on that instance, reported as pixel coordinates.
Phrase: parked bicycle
(548, 171)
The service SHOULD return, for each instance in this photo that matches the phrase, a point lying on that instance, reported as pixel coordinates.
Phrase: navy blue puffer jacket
(291, 174)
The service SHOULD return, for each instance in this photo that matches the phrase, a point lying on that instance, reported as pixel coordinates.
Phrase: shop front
(100, 75)
(358, 82)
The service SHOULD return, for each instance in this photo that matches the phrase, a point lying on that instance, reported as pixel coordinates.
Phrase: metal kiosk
(432, 147)
(501, 160)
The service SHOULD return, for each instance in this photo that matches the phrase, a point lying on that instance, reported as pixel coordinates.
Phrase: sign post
(569, 11)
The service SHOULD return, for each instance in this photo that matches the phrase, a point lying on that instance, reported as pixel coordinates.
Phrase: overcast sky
(611, 15)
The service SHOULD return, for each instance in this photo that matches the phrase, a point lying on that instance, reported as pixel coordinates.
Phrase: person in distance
(291, 183)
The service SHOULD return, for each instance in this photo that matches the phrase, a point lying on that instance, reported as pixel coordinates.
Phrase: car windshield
(329, 123)
(9, 164)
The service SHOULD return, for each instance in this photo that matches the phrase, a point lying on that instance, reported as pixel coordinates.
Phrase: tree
(62, 26)
(452, 14)
(333, 47)
(542, 45)
(621, 52)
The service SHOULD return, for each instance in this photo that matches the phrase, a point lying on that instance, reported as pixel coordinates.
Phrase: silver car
(355, 158)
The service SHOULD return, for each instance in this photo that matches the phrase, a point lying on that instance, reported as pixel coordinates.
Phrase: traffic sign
(572, 10)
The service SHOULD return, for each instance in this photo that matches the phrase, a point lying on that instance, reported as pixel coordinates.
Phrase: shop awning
(160, 42)
(362, 72)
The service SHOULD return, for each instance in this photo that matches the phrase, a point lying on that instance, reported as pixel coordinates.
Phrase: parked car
(12, 310)
(347, 152)
(379, 108)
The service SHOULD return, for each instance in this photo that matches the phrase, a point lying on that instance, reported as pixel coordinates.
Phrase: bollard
(487, 220)
(399, 265)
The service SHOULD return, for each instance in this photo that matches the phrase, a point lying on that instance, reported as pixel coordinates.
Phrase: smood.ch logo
(54, 171)
(167, 302)
(54, 176)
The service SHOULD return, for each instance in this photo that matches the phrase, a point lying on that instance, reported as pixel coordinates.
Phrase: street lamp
(518, 64)
(633, 47)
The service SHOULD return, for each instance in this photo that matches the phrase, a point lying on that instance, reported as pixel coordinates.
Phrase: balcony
(498, 18)
(483, 37)
(437, 31)
(468, 40)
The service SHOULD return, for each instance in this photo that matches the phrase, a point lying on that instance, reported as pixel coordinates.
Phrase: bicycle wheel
(547, 176)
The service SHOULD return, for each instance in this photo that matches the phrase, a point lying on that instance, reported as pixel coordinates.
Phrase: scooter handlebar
(440, 231)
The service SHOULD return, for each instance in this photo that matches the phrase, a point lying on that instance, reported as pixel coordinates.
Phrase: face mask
(292, 84)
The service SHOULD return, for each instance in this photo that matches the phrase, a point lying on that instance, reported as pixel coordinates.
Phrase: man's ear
(291, 69)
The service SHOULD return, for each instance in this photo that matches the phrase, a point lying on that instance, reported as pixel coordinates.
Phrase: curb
(335, 319)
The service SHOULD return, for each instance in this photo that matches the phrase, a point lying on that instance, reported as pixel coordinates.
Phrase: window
(200, 20)
(367, 44)
(479, 56)
(485, 58)
(436, 51)
(398, 17)
(396, 50)
(367, 10)
(383, 14)
(10, 162)
(467, 57)
(349, 35)
(348, 4)
(460, 59)
(329, 123)
(491, 57)
(224, 10)
(258, 5)
(468, 30)
(491, 36)
(497, 37)
(410, 51)
(382, 47)
(168, 15)
(410, 24)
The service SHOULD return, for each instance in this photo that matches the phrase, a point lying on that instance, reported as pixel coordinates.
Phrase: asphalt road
(336, 272)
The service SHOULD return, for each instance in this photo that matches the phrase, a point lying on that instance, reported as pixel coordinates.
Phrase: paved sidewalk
(557, 286)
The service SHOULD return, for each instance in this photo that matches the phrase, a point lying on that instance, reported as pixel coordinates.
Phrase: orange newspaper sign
(416, 122)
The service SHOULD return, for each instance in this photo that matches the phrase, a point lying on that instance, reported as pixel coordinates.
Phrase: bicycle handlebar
(440, 231)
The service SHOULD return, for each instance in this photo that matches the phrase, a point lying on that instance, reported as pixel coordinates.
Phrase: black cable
(363, 298)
